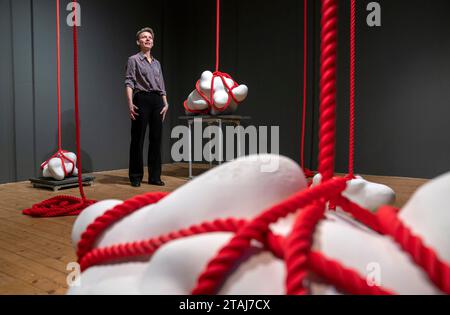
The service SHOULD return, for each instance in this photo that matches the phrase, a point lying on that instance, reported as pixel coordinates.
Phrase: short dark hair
(145, 29)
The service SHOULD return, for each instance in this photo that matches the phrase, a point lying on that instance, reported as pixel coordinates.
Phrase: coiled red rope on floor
(65, 205)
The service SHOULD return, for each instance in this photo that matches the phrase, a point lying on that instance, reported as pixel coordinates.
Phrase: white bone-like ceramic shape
(367, 194)
(55, 169)
(220, 96)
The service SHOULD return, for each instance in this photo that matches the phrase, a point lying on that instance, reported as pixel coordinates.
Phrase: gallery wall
(403, 69)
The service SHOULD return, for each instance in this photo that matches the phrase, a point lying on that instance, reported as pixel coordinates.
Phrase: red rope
(306, 171)
(65, 205)
(148, 247)
(58, 71)
(436, 269)
(344, 279)
(61, 154)
(77, 110)
(328, 88)
(209, 99)
(213, 276)
(351, 150)
(110, 217)
(217, 34)
(299, 245)
(216, 74)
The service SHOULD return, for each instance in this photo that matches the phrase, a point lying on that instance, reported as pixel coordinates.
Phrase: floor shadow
(183, 171)
(113, 179)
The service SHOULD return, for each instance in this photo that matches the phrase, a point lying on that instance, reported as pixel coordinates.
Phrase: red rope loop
(299, 245)
(112, 216)
(61, 154)
(58, 206)
(342, 278)
(437, 270)
(209, 99)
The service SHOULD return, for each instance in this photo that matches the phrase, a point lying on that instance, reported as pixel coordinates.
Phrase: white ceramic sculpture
(54, 167)
(239, 189)
(195, 102)
(367, 194)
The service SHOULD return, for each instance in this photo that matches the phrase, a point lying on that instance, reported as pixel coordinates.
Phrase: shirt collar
(142, 56)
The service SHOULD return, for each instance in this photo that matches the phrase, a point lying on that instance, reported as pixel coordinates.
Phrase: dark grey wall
(261, 46)
(403, 71)
(402, 94)
(7, 156)
(28, 81)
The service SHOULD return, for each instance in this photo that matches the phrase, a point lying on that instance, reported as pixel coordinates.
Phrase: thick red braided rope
(213, 276)
(149, 246)
(436, 269)
(328, 70)
(62, 205)
(344, 279)
(298, 247)
(306, 171)
(351, 146)
(100, 224)
(358, 213)
(299, 260)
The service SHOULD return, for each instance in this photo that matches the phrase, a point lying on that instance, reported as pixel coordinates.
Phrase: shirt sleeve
(130, 74)
(163, 86)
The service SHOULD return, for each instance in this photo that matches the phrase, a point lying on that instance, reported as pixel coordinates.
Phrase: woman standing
(147, 104)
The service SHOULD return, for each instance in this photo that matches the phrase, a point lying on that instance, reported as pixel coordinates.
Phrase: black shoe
(156, 182)
(136, 184)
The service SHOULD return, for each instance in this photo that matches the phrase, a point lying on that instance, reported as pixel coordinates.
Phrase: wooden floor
(34, 252)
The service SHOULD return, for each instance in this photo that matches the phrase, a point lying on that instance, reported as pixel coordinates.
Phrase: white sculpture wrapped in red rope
(215, 93)
(374, 257)
(61, 165)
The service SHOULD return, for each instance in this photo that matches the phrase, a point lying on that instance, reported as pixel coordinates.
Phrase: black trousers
(150, 105)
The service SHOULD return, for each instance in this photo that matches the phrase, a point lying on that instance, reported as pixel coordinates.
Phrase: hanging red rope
(306, 171)
(351, 149)
(64, 205)
(217, 34)
(209, 99)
